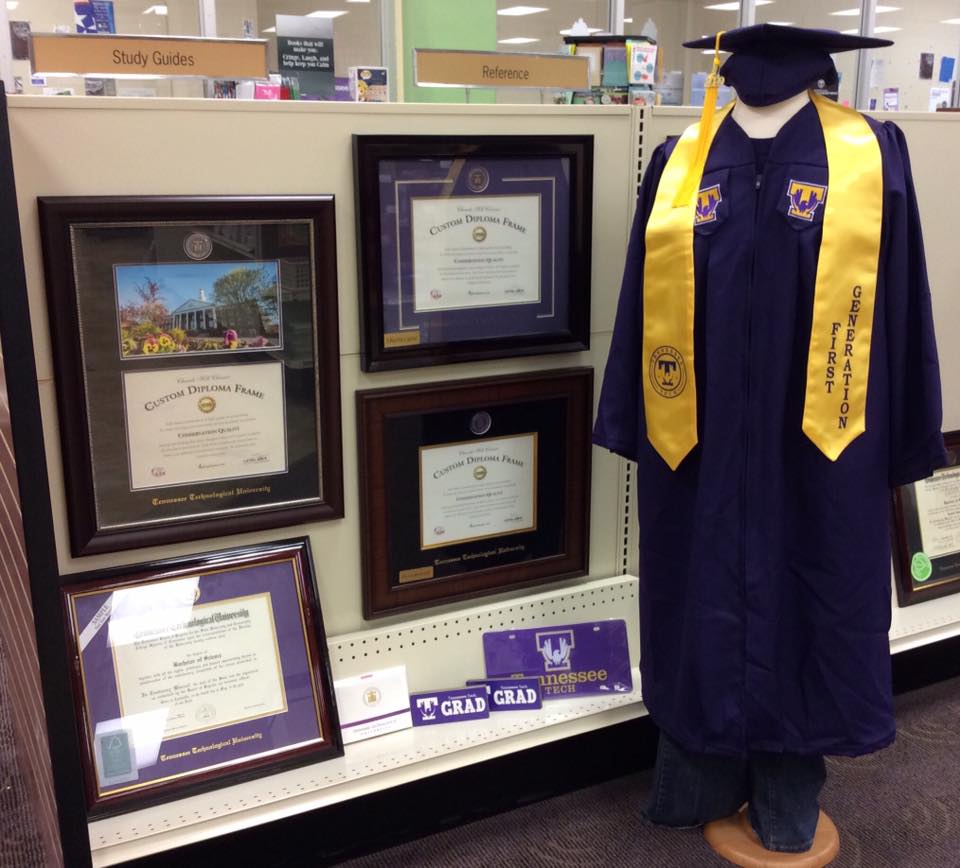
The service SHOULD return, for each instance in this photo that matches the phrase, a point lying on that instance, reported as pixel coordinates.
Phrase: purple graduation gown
(765, 567)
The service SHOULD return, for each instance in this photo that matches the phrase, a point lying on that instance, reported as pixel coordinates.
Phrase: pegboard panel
(438, 651)
(445, 650)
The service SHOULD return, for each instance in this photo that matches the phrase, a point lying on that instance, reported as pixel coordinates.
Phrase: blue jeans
(690, 789)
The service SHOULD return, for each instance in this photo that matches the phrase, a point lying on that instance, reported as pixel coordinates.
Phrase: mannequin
(764, 122)
(762, 235)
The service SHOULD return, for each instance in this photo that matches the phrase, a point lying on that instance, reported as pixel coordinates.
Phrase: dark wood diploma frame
(310, 629)
(59, 216)
(384, 509)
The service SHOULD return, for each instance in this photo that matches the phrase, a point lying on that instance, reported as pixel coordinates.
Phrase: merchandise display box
(183, 157)
(196, 349)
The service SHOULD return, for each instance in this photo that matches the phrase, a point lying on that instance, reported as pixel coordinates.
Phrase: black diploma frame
(472, 247)
(195, 344)
(472, 487)
(926, 532)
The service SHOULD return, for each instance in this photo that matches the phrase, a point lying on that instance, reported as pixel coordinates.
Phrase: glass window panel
(673, 22)
(918, 28)
(356, 32)
(164, 18)
(540, 32)
(820, 13)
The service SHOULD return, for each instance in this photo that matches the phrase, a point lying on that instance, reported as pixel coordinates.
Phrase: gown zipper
(757, 189)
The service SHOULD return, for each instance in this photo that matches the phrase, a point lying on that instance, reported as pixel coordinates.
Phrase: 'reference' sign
(499, 69)
(109, 55)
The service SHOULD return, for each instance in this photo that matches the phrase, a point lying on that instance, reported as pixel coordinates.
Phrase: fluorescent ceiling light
(269, 30)
(159, 9)
(945, 21)
(12, 4)
(517, 40)
(710, 51)
(850, 13)
(522, 10)
(628, 21)
(571, 32)
(855, 31)
(781, 23)
(734, 7)
(321, 13)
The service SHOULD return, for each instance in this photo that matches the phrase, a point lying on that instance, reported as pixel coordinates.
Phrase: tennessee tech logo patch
(805, 198)
(668, 374)
(707, 201)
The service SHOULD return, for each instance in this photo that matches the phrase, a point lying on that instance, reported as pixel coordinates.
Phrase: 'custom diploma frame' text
(197, 365)
(198, 672)
(473, 486)
(472, 247)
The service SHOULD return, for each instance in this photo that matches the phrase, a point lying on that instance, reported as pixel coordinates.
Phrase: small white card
(374, 703)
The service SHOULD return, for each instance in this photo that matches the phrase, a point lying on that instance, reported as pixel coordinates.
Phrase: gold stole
(839, 353)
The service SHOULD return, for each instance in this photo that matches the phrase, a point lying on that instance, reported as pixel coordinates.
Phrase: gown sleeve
(620, 424)
(916, 414)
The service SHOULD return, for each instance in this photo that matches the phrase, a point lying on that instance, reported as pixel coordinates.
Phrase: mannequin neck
(764, 122)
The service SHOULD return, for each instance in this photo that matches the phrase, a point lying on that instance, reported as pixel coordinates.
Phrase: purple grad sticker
(569, 661)
(511, 694)
(449, 706)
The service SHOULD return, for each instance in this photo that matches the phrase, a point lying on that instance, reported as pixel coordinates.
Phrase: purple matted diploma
(473, 246)
(209, 669)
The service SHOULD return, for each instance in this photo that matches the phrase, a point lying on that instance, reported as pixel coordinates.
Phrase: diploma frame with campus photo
(473, 486)
(472, 247)
(198, 672)
(926, 532)
(196, 357)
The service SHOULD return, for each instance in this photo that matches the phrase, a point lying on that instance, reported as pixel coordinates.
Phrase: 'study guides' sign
(109, 55)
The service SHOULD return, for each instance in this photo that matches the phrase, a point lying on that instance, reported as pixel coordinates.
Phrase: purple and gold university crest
(707, 201)
(805, 198)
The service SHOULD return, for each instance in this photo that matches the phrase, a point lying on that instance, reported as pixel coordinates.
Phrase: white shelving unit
(437, 651)
(433, 648)
(309, 149)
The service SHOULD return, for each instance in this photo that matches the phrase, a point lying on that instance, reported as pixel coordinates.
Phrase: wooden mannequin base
(733, 838)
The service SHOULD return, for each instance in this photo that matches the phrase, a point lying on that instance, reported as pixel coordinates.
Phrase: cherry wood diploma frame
(473, 487)
(195, 344)
(472, 247)
(926, 532)
(198, 672)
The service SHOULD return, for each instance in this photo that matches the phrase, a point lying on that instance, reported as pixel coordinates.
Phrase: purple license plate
(569, 661)
(449, 706)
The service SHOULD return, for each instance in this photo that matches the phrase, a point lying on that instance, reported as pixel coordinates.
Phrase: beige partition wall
(81, 147)
(90, 147)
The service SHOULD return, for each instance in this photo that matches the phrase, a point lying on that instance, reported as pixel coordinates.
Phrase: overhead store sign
(117, 56)
(441, 68)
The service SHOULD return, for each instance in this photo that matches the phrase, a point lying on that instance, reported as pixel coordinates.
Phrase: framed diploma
(193, 673)
(926, 520)
(473, 487)
(472, 247)
(195, 343)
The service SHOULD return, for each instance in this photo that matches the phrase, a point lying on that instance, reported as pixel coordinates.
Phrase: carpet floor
(898, 808)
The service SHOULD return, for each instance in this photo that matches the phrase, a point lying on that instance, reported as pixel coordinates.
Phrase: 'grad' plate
(449, 706)
(511, 694)
(569, 661)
